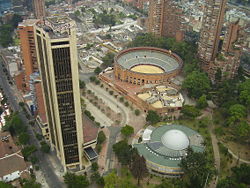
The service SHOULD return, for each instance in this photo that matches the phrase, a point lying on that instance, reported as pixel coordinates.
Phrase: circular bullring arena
(146, 65)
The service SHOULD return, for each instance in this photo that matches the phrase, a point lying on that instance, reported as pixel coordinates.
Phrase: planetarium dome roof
(175, 139)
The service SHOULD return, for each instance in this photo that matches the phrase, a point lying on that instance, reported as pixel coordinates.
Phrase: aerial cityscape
(124, 93)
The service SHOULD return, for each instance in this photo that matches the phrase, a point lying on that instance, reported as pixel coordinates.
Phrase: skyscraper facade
(28, 49)
(165, 19)
(210, 31)
(57, 58)
(39, 8)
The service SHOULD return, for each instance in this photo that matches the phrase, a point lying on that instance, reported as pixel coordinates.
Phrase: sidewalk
(103, 154)
(41, 179)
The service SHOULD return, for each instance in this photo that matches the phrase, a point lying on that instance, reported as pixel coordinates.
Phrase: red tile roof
(90, 130)
(40, 102)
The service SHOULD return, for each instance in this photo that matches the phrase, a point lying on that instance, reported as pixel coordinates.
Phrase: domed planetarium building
(164, 147)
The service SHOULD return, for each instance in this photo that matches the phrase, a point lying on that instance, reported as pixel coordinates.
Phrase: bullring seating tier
(142, 57)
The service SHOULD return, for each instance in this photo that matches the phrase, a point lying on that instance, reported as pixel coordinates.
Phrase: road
(45, 165)
(216, 151)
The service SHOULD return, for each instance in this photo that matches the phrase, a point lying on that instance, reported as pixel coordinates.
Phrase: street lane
(44, 163)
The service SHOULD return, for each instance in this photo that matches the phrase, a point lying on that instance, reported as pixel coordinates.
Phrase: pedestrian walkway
(41, 179)
(235, 156)
(99, 116)
(103, 154)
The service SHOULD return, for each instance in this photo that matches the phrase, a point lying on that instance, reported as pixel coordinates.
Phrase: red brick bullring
(138, 78)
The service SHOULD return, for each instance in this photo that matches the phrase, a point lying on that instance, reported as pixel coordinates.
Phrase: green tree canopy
(243, 131)
(45, 147)
(15, 125)
(94, 167)
(111, 180)
(238, 179)
(138, 167)
(237, 112)
(190, 112)
(195, 166)
(244, 89)
(28, 150)
(97, 70)
(101, 137)
(153, 117)
(75, 181)
(24, 138)
(82, 84)
(123, 152)
(202, 102)
(31, 183)
(197, 84)
(5, 185)
(108, 60)
(127, 131)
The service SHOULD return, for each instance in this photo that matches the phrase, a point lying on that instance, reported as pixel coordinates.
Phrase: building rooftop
(12, 163)
(166, 145)
(175, 140)
(90, 130)
(163, 61)
(58, 26)
(7, 145)
(11, 159)
(28, 22)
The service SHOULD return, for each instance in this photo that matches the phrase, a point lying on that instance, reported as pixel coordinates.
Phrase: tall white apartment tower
(55, 40)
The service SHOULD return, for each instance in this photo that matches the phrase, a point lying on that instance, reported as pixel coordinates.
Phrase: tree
(197, 84)
(127, 131)
(111, 180)
(242, 173)
(101, 137)
(137, 112)
(94, 167)
(28, 150)
(244, 90)
(108, 60)
(77, 13)
(75, 181)
(45, 147)
(97, 70)
(5, 185)
(126, 104)
(236, 112)
(82, 84)
(238, 179)
(218, 75)
(153, 117)
(15, 125)
(202, 102)
(96, 177)
(243, 131)
(138, 167)
(123, 152)
(31, 183)
(195, 167)
(1, 110)
(24, 138)
(190, 112)
(92, 78)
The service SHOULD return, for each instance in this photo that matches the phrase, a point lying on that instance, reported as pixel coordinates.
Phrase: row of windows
(62, 65)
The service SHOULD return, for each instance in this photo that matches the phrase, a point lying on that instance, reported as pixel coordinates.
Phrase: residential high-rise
(228, 60)
(28, 49)
(165, 19)
(57, 58)
(210, 31)
(39, 8)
